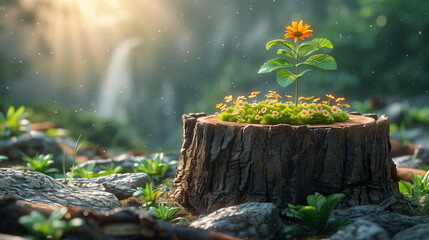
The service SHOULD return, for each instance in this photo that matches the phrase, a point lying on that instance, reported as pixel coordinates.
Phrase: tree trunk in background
(225, 163)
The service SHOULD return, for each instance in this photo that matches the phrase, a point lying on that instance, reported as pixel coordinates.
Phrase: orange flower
(219, 105)
(340, 99)
(289, 103)
(325, 102)
(288, 96)
(316, 100)
(298, 31)
(275, 113)
(330, 96)
(257, 117)
(241, 98)
(223, 109)
(319, 107)
(301, 98)
(311, 111)
(241, 110)
(278, 96)
(325, 113)
(228, 98)
(304, 104)
(263, 110)
(346, 105)
(254, 93)
(304, 112)
(254, 104)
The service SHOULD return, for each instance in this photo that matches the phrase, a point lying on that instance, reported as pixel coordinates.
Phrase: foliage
(39, 163)
(149, 194)
(111, 169)
(2, 158)
(273, 111)
(53, 228)
(417, 194)
(163, 211)
(315, 217)
(155, 168)
(11, 124)
(305, 49)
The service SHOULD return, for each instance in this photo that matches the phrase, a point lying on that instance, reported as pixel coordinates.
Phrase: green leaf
(322, 61)
(323, 42)
(274, 64)
(285, 78)
(287, 52)
(280, 41)
(307, 50)
(304, 72)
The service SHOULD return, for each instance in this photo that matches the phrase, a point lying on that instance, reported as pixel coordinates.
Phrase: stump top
(353, 120)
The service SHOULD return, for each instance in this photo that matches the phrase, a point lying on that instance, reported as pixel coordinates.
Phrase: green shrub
(149, 194)
(155, 168)
(39, 163)
(417, 194)
(315, 217)
(163, 211)
(53, 228)
(12, 124)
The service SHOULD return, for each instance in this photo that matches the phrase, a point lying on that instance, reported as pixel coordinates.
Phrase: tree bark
(226, 163)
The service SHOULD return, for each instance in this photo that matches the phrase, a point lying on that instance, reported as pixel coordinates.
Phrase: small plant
(2, 158)
(417, 194)
(150, 195)
(39, 163)
(315, 217)
(155, 168)
(85, 172)
(53, 228)
(12, 124)
(111, 169)
(296, 53)
(164, 211)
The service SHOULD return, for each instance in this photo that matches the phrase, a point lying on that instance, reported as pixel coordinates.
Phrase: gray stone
(422, 152)
(407, 161)
(251, 220)
(418, 232)
(29, 144)
(121, 185)
(39, 188)
(361, 230)
(393, 222)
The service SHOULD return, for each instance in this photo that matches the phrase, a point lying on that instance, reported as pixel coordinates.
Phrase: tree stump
(227, 163)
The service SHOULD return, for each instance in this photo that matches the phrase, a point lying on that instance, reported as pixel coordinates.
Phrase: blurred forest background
(123, 72)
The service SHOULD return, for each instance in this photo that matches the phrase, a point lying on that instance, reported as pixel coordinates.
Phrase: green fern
(315, 217)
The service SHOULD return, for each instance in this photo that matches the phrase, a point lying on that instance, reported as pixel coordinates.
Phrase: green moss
(270, 112)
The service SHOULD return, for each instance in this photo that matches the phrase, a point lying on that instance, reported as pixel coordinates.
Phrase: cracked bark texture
(36, 187)
(224, 163)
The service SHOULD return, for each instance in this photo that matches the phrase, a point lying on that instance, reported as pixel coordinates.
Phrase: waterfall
(116, 87)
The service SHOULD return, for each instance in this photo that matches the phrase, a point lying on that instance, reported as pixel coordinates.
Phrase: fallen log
(121, 223)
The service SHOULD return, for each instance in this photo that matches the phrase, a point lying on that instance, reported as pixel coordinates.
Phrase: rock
(121, 185)
(361, 230)
(391, 221)
(39, 188)
(407, 161)
(250, 220)
(29, 144)
(417, 232)
(422, 153)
